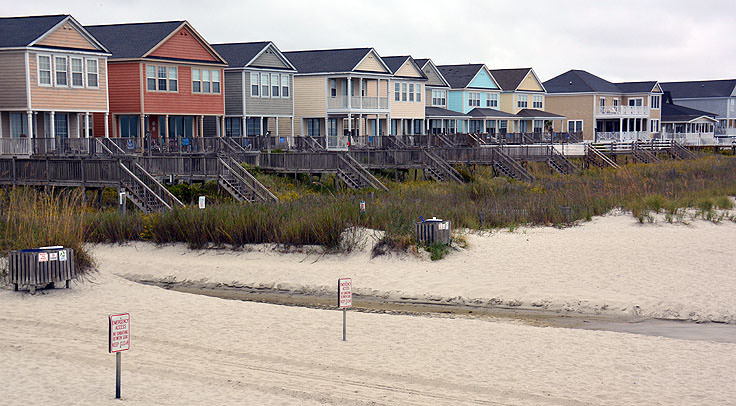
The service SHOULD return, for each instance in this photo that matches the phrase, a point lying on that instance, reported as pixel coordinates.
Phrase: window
(205, 81)
(655, 102)
(615, 102)
(129, 126)
(397, 92)
(654, 126)
(275, 85)
(264, 85)
(439, 97)
(575, 126)
(403, 92)
(538, 126)
(284, 85)
(61, 125)
(61, 71)
(333, 88)
(162, 78)
(150, 77)
(313, 127)
(635, 102)
(411, 92)
(502, 127)
(18, 125)
(538, 102)
(602, 101)
(492, 100)
(196, 82)
(92, 73)
(232, 126)
(522, 101)
(474, 99)
(419, 92)
(253, 126)
(173, 79)
(254, 81)
(216, 81)
(44, 70)
(418, 124)
(77, 66)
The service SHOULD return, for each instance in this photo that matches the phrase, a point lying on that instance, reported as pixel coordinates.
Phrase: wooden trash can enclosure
(38, 268)
(433, 230)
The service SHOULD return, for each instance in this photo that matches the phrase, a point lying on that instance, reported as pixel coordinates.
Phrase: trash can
(40, 267)
(433, 230)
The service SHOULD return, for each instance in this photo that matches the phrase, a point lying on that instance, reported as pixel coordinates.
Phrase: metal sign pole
(344, 319)
(118, 369)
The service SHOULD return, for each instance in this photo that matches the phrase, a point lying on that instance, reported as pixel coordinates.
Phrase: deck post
(107, 125)
(86, 124)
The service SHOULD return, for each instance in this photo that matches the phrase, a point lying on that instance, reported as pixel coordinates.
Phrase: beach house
(439, 119)
(53, 76)
(258, 90)
(603, 110)
(165, 80)
(523, 94)
(713, 96)
(687, 125)
(337, 92)
(407, 98)
(474, 92)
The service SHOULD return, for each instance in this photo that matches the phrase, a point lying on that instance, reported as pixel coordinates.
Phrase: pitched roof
(327, 60)
(430, 111)
(534, 113)
(636, 87)
(510, 79)
(486, 112)
(579, 81)
(700, 88)
(132, 40)
(676, 113)
(22, 31)
(460, 76)
(239, 54)
(396, 62)
(421, 62)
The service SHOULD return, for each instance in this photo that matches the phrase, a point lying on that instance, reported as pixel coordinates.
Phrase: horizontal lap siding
(67, 36)
(268, 105)
(573, 108)
(13, 80)
(68, 98)
(234, 93)
(269, 59)
(125, 87)
(184, 45)
(184, 101)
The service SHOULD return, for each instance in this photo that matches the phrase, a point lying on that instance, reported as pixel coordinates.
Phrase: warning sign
(119, 332)
(53, 256)
(344, 292)
(43, 257)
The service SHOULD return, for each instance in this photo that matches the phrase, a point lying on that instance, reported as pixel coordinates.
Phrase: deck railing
(622, 110)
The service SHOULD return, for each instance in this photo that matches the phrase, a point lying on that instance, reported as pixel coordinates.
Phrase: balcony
(622, 111)
(622, 136)
(357, 104)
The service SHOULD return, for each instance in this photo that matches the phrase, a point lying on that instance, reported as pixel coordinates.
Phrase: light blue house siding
(483, 81)
(455, 101)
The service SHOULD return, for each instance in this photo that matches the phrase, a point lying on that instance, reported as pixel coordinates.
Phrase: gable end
(184, 44)
(67, 35)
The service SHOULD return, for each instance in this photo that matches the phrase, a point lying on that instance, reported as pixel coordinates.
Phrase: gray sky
(616, 39)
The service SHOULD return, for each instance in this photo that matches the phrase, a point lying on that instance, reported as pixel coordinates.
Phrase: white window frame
(652, 99)
(397, 91)
(213, 73)
(165, 70)
(87, 73)
(56, 71)
(72, 72)
(207, 81)
(198, 80)
(615, 102)
(285, 86)
(154, 77)
(601, 101)
(172, 79)
(257, 82)
(492, 100)
(439, 95)
(538, 102)
(411, 92)
(404, 88)
(522, 98)
(654, 126)
(332, 85)
(582, 128)
(634, 99)
(275, 85)
(473, 99)
(418, 90)
(265, 84)
(52, 79)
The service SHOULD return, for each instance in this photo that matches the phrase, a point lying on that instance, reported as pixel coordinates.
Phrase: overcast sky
(619, 40)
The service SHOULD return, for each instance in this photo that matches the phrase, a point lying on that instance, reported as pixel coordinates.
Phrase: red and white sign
(344, 292)
(119, 332)
(43, 257)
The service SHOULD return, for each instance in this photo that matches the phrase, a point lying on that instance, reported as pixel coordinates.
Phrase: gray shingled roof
(21, 31)
(486, 112)
(132, 40)
(636, 87)
(510, 79)
(579, 81)
(460, 76)
(395, 62)
(534, 113)
(239, 54)
(421, 62)
(700, 88)
(430, 111)
(676, 113)
(326, 60)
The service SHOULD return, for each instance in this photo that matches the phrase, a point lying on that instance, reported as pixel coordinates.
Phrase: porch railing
(623, 110)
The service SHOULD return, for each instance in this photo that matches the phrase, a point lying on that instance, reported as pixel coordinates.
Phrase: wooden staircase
(243, 186)
(507, 166)
(560, 163)
(680, 152)
(593, 156)
(144, 190)
(439, 169)
(642, 155)
(355, 176)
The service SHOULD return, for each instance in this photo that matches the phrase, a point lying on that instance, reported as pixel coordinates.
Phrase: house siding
(184, 45)
(13, 81)
(125, 87)
(370, 64)
(483, 80)
(406, 109)
(573, 108)
(269, 106)
(455, 101)
(530, 83)
(310, 101)
(718, 106)
(408, 70)
(269, 59)
(67, 98)
(184, 101)
(67, 36)
(234, 93)
(432, 78)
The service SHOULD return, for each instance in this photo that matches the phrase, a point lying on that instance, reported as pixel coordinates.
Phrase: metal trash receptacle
(39, 267)
(433, 230)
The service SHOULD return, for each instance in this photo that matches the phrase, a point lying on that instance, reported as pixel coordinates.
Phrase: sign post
(344, 300)
(118, 341)
(202, 202)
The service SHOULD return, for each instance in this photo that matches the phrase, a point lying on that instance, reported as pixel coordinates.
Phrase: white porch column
(277, 128)
(79, 126)
(166, 127)
(107, 125)
(201, 126)
(349, 87)
(218, 129)
(30, 123)
(222, 126)
(350, 124)
(86, 125)
(52, 126)
(1, 124)
(292, 127)
(360, 125)
(360, 83)
(621, 126)
(263, 131)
